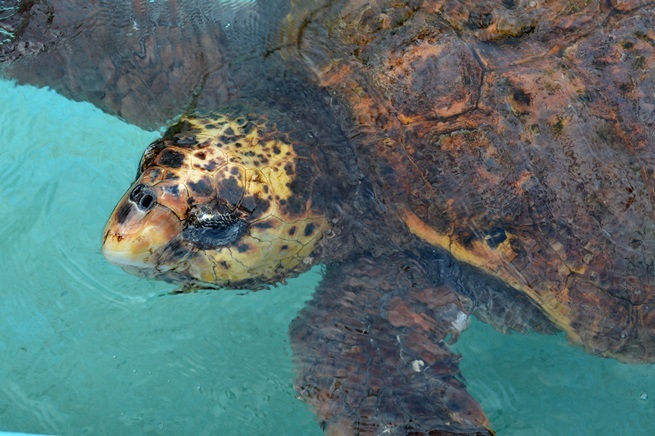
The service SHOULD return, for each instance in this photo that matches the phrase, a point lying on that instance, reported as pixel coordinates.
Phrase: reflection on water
(88, 349)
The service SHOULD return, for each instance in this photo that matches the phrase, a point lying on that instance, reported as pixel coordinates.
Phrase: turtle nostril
(146, 202)
(136, 193)
(144, 197)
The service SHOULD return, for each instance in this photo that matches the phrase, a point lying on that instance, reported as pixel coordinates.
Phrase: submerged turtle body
(516, 136)
(443, 158)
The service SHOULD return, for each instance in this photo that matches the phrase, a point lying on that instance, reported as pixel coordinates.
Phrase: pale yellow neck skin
(496, 263)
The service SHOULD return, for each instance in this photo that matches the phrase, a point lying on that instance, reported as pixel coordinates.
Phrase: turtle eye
(210, 227)
(144, 197)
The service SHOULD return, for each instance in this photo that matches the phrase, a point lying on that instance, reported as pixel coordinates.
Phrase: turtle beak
(136, 238)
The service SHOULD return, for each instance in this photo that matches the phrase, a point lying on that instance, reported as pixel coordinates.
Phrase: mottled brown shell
(518, 135)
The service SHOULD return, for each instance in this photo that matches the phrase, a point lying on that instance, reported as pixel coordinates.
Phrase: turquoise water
(88, 349)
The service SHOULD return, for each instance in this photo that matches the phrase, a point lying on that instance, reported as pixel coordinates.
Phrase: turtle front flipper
(372, 356)
(141, 60)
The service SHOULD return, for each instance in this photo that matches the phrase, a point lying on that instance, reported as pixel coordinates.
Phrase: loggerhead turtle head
(217, 202)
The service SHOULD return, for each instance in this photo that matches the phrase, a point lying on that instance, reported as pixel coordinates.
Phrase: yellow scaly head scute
(220, 200)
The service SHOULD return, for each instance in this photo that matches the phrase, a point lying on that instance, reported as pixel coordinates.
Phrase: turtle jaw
(134, 239)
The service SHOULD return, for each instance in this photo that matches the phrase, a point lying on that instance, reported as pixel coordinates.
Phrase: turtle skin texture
(516, 135)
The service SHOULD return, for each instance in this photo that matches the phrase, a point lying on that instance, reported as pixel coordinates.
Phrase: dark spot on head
(509, 4)
(249, 203)
(172, 190)
(153, 175)
(123, 213)
(185, 140)
(309, 229)
(225, 265)
(171, 158)
(201, 155)
(242, 248)
(202, 187)
(235, 171)
(628, 44)
(237, 145)
(230, 190)
(249, 153)
(284, 247)
(248, 128)
(292, 231)
(521, 97)
(223, 139)
(229, 131)
(261, 208)
(211, 126)
(265, 187)
(276, 149)
(263, 225)
(171, 176)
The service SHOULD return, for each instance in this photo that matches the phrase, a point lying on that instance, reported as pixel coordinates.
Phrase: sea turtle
(441, 158)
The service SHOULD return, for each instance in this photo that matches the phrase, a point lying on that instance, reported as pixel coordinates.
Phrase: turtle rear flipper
(144, 61)
(372, 355)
